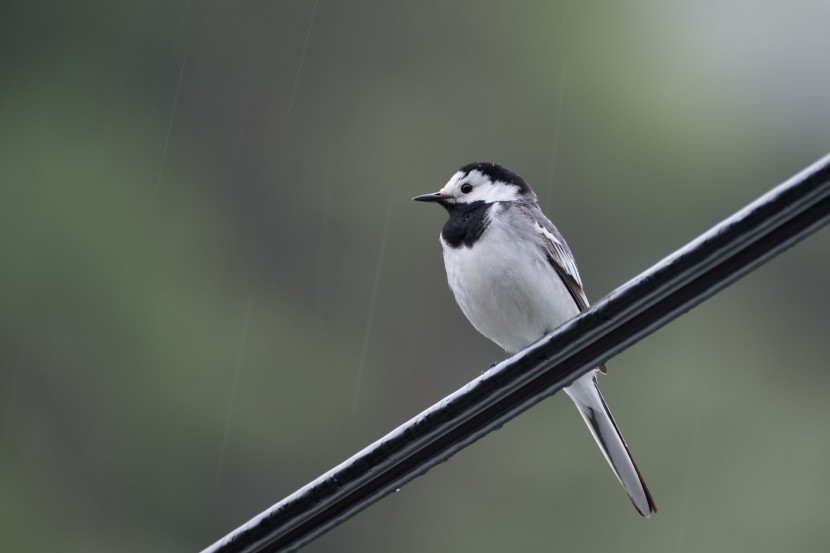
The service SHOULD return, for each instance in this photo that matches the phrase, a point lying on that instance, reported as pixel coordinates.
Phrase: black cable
(755, 234)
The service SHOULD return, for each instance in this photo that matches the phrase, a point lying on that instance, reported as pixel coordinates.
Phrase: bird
(515, 279)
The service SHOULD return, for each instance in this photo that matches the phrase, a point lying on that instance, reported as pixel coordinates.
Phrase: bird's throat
(466, 224)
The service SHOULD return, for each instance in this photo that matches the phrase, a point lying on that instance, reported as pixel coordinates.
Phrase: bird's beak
(434, 197)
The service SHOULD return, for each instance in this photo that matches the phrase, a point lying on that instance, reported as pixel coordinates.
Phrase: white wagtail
(515, 279)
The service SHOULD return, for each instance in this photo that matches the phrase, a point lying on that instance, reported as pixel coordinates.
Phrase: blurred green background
(215, 287)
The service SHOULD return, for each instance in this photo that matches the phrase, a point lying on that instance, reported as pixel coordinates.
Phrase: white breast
(507, 289)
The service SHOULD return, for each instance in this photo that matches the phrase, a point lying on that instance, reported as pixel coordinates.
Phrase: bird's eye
(466, 188)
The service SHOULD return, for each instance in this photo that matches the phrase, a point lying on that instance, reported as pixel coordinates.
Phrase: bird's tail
(585, 393)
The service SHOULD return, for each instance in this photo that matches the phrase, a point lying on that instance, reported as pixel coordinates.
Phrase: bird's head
(481, 182)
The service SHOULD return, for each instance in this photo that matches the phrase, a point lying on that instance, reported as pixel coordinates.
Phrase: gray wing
(556, 251)
(558, 254)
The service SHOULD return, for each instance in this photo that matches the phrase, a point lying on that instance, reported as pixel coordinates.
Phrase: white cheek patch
(498, 192)
(450, 189)
(488, 191)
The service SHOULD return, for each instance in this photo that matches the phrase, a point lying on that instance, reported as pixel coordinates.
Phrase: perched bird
(515, 279)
